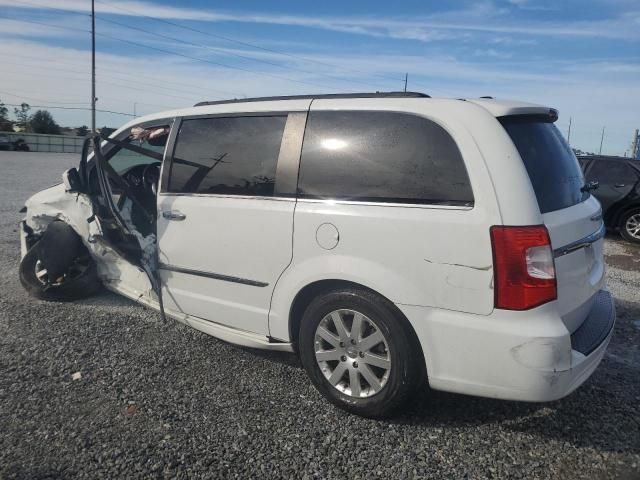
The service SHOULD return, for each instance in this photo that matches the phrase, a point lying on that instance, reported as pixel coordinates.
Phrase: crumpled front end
(76, 210)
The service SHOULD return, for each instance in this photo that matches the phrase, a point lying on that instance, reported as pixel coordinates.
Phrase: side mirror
(71, 180)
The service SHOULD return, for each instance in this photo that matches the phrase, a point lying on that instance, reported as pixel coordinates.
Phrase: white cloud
(15, 28)
(492, 53)
(594, 93)
(482, 17)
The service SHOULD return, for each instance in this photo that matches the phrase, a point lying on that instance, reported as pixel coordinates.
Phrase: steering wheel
(151, 177)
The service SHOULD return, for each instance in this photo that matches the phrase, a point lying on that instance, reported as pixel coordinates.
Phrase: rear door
(225, 215)
(572, 216)
(616, 180)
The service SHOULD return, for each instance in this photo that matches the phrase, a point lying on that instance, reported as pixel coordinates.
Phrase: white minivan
(390, 239)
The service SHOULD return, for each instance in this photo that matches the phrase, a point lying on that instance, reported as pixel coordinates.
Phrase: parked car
(5, 143)
(618, 191)
(389, 239)
(20, 145)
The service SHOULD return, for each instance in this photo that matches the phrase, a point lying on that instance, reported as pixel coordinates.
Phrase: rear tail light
(524, 273)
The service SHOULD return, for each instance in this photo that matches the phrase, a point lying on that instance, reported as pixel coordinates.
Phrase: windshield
(153, 139)
(553, 169)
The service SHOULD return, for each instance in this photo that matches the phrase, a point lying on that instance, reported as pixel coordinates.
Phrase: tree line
(41, 121)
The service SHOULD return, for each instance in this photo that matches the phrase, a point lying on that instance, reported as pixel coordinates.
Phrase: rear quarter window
(381, 157)
(553, 169)
(607, 172)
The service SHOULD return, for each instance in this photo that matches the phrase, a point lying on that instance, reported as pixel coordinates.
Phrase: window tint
(553, 169)
(584, 163)
(381, 156)
(230, 155)
(611, 172)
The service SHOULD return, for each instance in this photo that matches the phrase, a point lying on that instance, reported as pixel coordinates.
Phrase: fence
(39, 142)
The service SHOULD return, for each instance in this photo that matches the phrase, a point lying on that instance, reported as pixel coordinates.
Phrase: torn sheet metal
(76, 211)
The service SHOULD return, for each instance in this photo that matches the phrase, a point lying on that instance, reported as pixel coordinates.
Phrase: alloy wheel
(632, 226)
(75, 270)
(352, 353)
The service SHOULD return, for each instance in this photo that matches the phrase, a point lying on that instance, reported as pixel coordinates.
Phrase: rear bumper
(527, 356)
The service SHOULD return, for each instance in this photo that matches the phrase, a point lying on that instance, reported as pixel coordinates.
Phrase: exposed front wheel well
(311, 291)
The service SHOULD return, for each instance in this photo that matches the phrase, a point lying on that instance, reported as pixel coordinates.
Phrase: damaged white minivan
(389, 239)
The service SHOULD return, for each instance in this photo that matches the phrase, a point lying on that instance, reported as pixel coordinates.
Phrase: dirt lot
(156, 400)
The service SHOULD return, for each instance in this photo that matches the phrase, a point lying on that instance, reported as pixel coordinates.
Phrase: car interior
(133, 178)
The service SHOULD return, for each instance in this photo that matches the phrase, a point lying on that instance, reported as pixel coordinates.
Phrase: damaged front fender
(76, 211)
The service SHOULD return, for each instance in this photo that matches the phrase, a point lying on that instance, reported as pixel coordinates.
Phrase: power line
(227, 39)
(239, 42)
(227, 52)
(40, 100)
(246, 44)
(220, 64)
(168, 52)
(123, 76)
(58, 10)
(165, 107)
(47, 24)
(108, 83)
(70, 108)
(86, 15)
(101, 80)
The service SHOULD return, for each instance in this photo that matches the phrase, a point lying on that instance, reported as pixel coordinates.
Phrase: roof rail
(318, 97)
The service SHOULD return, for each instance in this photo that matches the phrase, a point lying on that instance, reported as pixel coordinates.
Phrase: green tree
(5, 123)
(42, 122)
(82, 131)
(22, 116)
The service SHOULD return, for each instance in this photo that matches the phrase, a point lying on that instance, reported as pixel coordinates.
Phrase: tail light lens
(524, 272)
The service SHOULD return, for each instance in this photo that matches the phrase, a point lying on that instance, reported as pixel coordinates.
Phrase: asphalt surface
(156, 400)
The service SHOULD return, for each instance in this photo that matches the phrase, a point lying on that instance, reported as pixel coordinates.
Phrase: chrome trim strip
(221, 195)
(582, 243)
(385, 204)
(215, 276)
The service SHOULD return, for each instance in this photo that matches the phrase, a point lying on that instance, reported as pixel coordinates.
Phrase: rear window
(381, 157)
(554, 171)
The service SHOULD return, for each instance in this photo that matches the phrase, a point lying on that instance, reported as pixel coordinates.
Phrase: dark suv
(618, 191)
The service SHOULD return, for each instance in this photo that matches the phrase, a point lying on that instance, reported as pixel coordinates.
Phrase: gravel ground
(167, 401)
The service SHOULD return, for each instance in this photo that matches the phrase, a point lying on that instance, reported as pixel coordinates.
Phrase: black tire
(626, 234)
(84, 285)
(404, 354)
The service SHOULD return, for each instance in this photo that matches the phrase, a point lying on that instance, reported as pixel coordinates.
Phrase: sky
(581, 57)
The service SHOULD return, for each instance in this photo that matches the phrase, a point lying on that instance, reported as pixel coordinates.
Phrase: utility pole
(569, 133)
(134, 109)
(406, 77)
(93, 66)
(601, 140)
(635, 153)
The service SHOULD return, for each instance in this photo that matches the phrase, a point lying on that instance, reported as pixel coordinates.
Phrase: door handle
(620, 185)
(173, 215)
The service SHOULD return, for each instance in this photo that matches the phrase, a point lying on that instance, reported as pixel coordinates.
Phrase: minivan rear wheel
(357, 352)
(630, 226)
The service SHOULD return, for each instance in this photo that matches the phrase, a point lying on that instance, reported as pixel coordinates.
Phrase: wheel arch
(310, 291)
(635, 205)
